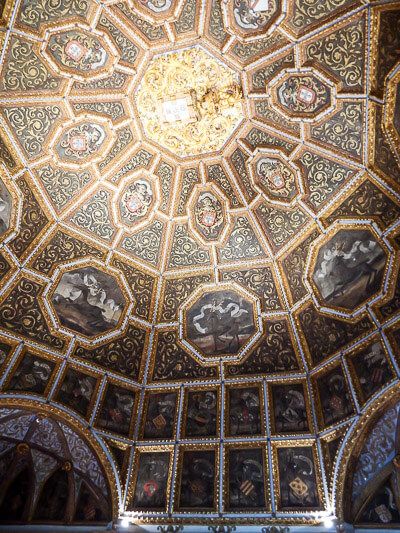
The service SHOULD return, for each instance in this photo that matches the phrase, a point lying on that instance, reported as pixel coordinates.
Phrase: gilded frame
(36, 353)
(262, 412)
(145, 407)
(100, 403)
(246, 446)
(139, 451)
(349, 358)
(82, 370)
(201, 388)
(178, 478)
(326, 369)
(317, 467)
(271, 408)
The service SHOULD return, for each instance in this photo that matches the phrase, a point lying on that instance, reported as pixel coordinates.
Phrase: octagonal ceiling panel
(274, 175)
(301, 95)
(220, 321)
(349, 267)
(80, 144)
(208, 214)
(199, 226)
(80, 53)
(189, 102)
(158, 11)
(138, 198)
(250, 19)
(88, 301)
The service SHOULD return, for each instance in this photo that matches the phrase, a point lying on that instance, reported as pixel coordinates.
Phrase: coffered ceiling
(199, 217)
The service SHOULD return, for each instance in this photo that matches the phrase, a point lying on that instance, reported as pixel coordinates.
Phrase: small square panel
(197, 483)
(32, 374)
(333, 396)
(244, 405)
(393, 334)
(298, 479)
(77, 391)
(370, 369)
(201, 413)
(289, 408)
(160, 415)
(151, 483)
(246, 473)
(117, 409)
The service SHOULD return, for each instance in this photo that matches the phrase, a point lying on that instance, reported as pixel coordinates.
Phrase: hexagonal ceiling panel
(199, 226)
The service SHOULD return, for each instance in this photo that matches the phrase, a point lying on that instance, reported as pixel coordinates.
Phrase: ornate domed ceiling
(199, 218)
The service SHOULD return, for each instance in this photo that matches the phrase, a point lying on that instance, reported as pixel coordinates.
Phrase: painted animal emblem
(245, 414)
(293, 409)
(347, 268)
(222, 333)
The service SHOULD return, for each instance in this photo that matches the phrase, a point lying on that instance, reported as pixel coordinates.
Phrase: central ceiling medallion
(189, 102)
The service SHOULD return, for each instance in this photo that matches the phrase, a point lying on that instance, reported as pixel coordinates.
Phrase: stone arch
(366, 484)
(52, 450)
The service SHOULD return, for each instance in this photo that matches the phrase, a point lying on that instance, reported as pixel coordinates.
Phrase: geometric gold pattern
(199, 259)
